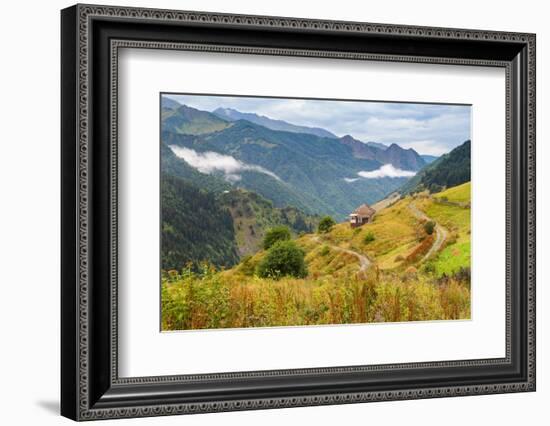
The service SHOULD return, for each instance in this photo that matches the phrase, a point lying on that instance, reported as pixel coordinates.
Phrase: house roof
(364, 210)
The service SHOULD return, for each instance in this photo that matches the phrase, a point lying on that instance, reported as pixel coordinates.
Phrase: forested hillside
(194, 227)
(318, 175)
(448, 170)
(190, 121)
(219, 227)
(255, 228)
(412, 263)
(253, 215)
(174, 166)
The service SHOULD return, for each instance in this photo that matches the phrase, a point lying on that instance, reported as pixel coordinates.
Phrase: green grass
(396, 231)
(397, 287)
(457, 220)
(453, 258)
(457, 194)
(453, 218)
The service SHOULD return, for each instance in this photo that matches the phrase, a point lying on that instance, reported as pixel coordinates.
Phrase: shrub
(463, 275)
(325, 250)
(429, 227)
(399, 258)
(429, 268)
(369, 238)
(273, 235)
(247, 266)
(284, 258)
(325, 225)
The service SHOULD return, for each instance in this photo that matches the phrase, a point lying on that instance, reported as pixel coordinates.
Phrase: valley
(256, 231)
(317, 174)
(389, 270)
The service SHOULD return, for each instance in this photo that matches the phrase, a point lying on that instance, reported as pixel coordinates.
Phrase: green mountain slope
(189, 121)
(280, 193)
(314, 168)
(429, 158)
(253, 215)
(220, 224)
(194, 227)
(174, 166)
(392, 269)
(448, 170)
(231, 114)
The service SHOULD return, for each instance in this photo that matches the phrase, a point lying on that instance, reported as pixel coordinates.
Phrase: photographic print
(305, 212)
(300, 192)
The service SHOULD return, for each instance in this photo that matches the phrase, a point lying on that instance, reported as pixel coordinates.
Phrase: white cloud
(387, 170)
(210, 162)
(349, 180)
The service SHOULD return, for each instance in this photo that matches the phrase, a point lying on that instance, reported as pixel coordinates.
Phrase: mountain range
(189, 121)
(315, 173)
(376, 145)
(230, 114)
(228, 176)
(183, 119)
(406, 159)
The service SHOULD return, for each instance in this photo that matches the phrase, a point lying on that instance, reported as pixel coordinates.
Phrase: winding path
(364, 261)
(440, 232)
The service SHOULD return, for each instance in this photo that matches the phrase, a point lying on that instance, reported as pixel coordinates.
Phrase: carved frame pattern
(85, 13)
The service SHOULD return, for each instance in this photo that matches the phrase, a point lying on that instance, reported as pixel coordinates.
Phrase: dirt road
(364, 261)
(440, 232)
(386, 202)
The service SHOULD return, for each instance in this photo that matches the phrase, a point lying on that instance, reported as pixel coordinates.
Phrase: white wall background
(29, 212)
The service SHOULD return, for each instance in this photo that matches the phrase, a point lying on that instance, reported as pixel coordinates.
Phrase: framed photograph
(263, 212)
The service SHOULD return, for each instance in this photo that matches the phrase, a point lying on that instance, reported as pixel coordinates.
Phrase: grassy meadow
(375, 273)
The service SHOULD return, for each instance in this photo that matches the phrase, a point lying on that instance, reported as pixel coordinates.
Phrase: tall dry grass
(211, 299)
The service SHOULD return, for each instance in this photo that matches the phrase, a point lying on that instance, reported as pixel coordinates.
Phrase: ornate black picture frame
(91, 36)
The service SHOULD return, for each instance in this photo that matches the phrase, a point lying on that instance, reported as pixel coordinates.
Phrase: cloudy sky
(432, 129)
